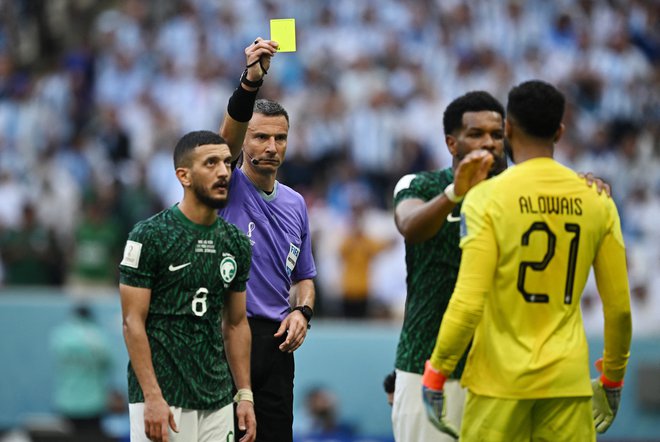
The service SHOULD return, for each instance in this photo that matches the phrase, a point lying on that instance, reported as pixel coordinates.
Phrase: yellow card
(283, 31)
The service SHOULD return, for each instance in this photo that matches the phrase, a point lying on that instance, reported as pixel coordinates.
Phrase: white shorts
(194, 425)
(409, 421)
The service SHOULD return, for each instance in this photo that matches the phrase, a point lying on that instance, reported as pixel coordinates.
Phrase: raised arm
(238, 341)
(135, 307)
(419, 220)
(239, 109)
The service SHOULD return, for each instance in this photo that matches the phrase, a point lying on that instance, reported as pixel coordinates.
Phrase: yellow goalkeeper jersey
(529, 238)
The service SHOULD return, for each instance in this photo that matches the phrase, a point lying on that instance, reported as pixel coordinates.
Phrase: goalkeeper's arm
(612, 280)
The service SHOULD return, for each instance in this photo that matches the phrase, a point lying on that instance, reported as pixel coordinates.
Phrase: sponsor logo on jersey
(228, 268)
(453, 219)
(174, 268)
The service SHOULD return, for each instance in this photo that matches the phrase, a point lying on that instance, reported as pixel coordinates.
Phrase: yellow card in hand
(283, 31)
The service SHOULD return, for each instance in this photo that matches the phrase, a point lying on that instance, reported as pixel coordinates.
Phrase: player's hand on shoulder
(295, 328)
(601, 184)
(472, 170)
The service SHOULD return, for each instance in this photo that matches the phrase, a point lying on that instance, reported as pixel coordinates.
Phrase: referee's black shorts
(272, 374)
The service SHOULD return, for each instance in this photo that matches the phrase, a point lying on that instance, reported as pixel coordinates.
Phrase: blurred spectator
(321, 421)
(116, 422)
(13, 197)
(98, 244)
(357, 251)
(112, 137)
(82, 373)
(30, 253)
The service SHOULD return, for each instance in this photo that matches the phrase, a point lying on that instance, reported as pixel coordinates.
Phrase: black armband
(241, 104)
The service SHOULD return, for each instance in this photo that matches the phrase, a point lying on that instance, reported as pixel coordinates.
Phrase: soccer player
(280, 293)
(426, 213)
(182, 285)
(529, 238)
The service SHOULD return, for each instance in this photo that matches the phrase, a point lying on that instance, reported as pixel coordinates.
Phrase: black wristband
(241, 104)
(307, 312)
(250, 83)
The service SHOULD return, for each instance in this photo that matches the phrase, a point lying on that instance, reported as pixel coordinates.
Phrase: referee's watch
(307, 312)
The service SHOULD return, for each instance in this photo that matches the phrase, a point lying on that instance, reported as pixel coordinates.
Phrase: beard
(499, 165)
(204, 196)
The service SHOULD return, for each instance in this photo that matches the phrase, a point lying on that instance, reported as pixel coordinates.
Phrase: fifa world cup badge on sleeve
(132, 252)
(464, 230)
(292, 258)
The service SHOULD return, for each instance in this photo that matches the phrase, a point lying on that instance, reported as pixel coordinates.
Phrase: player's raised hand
(472, 169)
(257, 58)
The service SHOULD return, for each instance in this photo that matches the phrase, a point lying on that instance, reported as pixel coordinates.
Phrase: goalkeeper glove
(605, 401)
(434, 399)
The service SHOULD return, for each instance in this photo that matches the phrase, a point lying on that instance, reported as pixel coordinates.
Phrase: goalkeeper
(530, 237)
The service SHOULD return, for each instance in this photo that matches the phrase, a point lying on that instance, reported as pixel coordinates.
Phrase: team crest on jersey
(228, 268)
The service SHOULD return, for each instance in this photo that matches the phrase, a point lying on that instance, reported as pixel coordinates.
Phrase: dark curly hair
(475, 101)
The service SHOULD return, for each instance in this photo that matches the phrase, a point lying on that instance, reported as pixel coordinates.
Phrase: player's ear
(508, 129)
(183, 174)
(559, 132)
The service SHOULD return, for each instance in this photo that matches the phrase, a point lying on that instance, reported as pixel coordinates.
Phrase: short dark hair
(190, 141)
(475, 101)
(270, 108)
(536, 107)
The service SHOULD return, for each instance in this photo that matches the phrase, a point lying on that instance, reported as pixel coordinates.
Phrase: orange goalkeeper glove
(606, 399)
(434, 399)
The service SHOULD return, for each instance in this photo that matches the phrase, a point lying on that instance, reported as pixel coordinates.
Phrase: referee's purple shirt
(278, 228)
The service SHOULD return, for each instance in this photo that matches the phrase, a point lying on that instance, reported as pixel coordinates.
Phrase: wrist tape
(244, 394)
(451, 195)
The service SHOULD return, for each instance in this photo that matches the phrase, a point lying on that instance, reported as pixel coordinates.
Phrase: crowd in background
(94, 95)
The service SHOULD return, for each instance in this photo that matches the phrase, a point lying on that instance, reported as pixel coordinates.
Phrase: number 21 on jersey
(525, 266)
